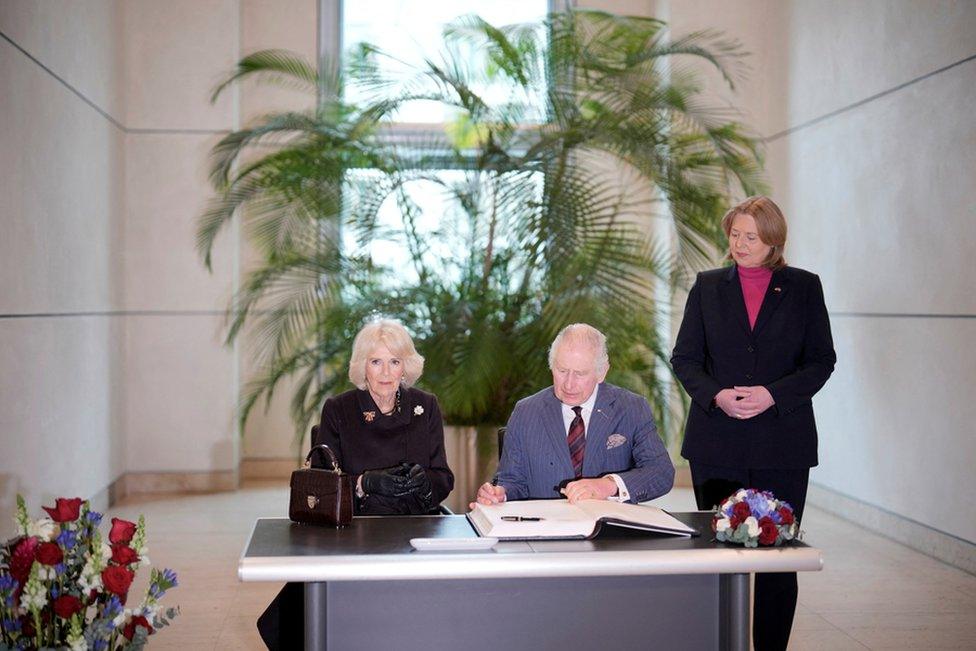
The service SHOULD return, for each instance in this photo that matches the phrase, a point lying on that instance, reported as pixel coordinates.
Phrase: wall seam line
(866, 100)
(902, 315)
(108, 116)
(64, 83)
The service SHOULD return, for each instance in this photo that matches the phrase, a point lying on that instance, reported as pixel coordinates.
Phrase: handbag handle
(332, 457)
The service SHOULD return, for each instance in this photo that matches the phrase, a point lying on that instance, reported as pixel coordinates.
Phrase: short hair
(770, 223)
(394, 336)
(583, 333)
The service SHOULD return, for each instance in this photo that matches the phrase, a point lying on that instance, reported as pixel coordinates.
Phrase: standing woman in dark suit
(753, 348)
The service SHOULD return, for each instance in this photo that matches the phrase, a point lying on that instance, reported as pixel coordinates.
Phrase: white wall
(870, 152)
(113, 357)
(181, 387)
(61, 169)
(882, 204)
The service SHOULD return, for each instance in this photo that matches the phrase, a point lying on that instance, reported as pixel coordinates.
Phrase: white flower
(34, 596)
(43, 529)
(122, 617)
(752, 526)
(77, 643)
(418, 410)
(722, 525)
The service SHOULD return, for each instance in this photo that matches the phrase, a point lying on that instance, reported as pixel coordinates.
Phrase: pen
(520, 518)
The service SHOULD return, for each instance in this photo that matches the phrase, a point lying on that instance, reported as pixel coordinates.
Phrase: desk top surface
(378, 548)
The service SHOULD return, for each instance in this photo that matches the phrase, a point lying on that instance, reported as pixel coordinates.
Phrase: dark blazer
(364, 439)
(621, 439)
(790, 352)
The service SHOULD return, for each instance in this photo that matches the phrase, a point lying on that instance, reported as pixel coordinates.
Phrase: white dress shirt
(568, 415)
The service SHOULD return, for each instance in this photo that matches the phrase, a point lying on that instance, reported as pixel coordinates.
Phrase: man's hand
(590, 489)
(756, 401)
(489, 494)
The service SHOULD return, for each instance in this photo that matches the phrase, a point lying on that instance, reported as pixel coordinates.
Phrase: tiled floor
(872, 593)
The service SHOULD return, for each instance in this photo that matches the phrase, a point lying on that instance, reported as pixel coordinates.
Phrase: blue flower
(60, 568)
(94, 518)
(758, 504)
(100, 645)
(170, 577)
(11, 625)
(55, 592)
(67, 539)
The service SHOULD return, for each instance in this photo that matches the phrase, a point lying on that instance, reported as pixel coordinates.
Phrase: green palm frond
(568, 144)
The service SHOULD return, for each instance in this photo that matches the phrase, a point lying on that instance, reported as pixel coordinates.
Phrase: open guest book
(552, 519)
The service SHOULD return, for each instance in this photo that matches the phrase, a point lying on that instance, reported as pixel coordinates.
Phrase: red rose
(67, 605)
(117, 579)
(767, 531)
(785, 515)
(64, 510)
(124, 555)
(741, 510)
(122, 531)
(22, 559)
(130, 629)
(49, 554)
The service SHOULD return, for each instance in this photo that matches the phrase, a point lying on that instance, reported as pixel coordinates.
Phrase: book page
(559, 519)
(637, 516)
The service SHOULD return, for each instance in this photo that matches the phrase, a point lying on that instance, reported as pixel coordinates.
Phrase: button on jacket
(790, 352)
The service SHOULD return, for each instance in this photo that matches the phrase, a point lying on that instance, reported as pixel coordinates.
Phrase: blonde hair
(583, 333)
(395, 337)
(770, 223)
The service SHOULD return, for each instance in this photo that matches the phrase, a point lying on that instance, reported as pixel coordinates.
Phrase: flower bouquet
(752, 517)
(62, 586)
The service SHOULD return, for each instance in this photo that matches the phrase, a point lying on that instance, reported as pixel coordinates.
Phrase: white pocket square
(615, 441)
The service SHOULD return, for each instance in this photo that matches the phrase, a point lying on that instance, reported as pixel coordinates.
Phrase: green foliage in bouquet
(63, 587)
(577, 176)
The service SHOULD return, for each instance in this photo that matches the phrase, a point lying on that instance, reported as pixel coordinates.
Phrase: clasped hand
(398, 481)
(744, 402)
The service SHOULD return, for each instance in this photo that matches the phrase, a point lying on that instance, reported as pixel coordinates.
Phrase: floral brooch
(418, 410)
(369, 416)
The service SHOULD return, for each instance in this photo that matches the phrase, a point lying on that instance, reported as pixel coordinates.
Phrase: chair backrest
(501, 440)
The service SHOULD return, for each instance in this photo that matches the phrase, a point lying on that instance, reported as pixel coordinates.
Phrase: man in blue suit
(581, 437)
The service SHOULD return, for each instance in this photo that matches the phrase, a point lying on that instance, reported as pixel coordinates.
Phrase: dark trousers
(282, 624)
(775, 600)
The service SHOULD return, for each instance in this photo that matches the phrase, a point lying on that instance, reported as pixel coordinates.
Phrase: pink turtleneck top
(754, 281)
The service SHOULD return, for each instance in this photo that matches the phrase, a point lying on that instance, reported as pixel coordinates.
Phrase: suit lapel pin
(777, 289)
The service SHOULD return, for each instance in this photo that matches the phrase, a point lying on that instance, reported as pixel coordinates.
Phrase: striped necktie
(577, 441)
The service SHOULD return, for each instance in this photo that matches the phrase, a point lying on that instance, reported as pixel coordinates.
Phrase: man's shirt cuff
(622, 494)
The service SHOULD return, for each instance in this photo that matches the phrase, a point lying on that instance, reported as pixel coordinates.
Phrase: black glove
(421, 486)
(392, 481)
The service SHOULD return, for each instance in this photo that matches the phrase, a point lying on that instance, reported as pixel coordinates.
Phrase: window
(440, 226)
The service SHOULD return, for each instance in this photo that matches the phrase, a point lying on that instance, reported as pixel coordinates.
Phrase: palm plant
(544, 218)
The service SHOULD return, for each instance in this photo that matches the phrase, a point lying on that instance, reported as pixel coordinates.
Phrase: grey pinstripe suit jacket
(621, 438)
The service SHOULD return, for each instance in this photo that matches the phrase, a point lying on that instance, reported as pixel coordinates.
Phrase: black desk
(366, 587)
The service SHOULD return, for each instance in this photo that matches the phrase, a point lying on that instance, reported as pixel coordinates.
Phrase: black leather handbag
(319, 495)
